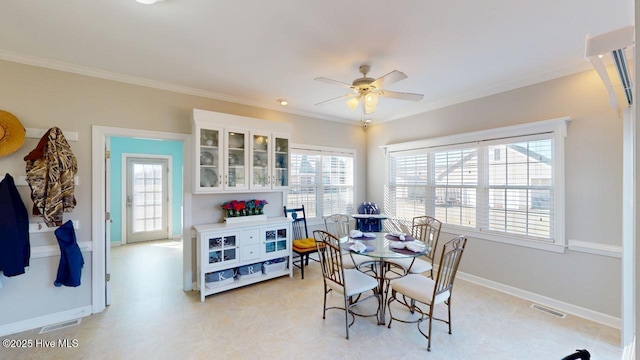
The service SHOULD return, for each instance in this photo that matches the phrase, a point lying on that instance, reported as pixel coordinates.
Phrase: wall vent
(59, 326)
(549, 311)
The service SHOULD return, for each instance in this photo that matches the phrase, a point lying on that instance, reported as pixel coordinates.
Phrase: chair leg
(430, 320)
(449, 311)
(302, 265)
(324, 307)
(388, 305)
(346, 316)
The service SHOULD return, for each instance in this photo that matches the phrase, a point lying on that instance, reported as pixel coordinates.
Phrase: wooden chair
(426, 229)
(415, 289)
(302, 244)
(348, 282)
(339, 226)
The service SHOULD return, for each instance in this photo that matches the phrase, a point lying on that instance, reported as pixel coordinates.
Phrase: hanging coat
(15, 250)
(51, 168)
(71, 260)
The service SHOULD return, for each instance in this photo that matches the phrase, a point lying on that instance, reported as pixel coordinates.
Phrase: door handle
(129, 200)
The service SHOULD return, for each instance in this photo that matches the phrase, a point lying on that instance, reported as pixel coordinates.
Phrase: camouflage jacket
(51, 168)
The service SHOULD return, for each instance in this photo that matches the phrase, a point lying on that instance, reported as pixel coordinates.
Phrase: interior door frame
(125, 185)
(99, 135)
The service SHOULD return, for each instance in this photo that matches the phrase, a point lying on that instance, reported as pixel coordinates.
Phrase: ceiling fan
(366, 90)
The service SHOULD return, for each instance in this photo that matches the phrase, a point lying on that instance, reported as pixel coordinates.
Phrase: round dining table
(382, 247)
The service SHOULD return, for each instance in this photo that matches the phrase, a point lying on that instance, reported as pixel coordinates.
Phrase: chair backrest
(427, 229)
(299, 224)
(449, 262)
(330, 257)
(337, 224)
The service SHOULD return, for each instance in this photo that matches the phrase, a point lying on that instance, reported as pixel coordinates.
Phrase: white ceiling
(256, 51)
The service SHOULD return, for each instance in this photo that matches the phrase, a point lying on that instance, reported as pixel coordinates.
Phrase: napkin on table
(355, 233)
(368, 234)
(358, 247)
(415, 246)
(396, 245)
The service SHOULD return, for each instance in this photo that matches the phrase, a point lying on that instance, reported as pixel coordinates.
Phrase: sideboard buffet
(239, 254)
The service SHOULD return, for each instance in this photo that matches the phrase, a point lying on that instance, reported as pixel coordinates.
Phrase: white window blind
(304, 182)
(504, 184)
(409, 177)
(520, 188)
(456, 181)
(337, 185)
(322, 181)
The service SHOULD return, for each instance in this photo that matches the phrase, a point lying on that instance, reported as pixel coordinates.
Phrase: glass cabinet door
(281, 162)
(275, 242)
(208, 155)
(260, 162)
(223, 249)
(236, 160)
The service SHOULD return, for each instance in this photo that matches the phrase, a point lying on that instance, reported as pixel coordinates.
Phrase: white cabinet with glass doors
(224, 249)
(269, 160)
(234, 153)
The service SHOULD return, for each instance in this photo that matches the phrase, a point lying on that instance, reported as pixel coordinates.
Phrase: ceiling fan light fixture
(371, 99)
(352, 103)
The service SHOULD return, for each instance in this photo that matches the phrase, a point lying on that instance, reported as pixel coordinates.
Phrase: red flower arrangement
(241, 208)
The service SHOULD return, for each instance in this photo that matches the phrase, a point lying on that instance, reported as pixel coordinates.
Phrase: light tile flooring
(152, 318)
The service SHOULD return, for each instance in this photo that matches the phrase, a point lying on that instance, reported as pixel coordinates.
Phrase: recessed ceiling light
(147, 2)
(282, 102)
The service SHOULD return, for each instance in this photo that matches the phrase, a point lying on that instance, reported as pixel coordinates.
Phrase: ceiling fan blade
(401, 95)
(335, 99)
(390, 78)
(333, 82)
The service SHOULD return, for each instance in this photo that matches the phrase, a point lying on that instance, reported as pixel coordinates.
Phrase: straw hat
(11, 133)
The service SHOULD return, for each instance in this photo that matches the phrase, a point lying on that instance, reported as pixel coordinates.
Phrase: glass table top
(385, 246)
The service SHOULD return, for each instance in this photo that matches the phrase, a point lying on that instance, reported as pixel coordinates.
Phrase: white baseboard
(543, 300)
(41, 321)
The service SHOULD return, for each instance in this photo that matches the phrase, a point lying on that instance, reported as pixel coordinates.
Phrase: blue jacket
(71, 260)
(15, 250)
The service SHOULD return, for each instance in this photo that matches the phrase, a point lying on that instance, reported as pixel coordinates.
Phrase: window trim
(326, 150)
(558, 129)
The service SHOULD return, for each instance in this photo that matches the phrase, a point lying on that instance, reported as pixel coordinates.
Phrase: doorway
(101, 219)
(147, 198)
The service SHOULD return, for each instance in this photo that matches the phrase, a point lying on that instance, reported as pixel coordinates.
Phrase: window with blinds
(501, 185)
(322, 181)
(455, 183)
(408, 184)
(520, 188)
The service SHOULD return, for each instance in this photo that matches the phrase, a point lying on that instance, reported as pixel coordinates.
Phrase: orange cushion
(307, 243)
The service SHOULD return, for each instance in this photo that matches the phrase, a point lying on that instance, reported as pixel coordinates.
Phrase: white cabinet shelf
(225, 250)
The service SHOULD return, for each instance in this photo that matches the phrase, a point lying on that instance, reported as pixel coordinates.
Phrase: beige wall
(593, 186)
(43, 98)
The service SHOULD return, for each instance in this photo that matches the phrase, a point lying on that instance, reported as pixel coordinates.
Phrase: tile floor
(152, 318)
